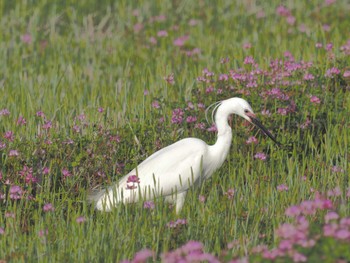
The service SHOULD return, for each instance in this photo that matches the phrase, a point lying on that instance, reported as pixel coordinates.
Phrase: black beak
(263, 128)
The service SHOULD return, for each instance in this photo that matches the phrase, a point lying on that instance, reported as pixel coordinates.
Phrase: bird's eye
(246, 111)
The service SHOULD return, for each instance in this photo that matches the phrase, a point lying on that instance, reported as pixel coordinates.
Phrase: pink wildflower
(149, 205)
(66, 173)
(315, 100)
(9, 135)
(252, 140)
(155, 104)
(80, 219)
(26, 38)
(191, 119)
(180, 41)
(230, 193)
(48, 207)
(13, 153)
(162, 33)
(4, 112)
(170, 79)
(21, 121)
(330, 73)
(282, 188)
(16, 192)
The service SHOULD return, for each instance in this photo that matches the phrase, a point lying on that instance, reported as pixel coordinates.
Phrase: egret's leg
(180, 200)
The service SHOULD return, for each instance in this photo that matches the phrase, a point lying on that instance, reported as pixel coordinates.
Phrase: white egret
(171, 171)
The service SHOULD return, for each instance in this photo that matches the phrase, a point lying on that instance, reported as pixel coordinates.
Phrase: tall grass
(101, 75)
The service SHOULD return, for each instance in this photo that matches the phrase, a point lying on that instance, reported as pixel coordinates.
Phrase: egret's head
(245, 110)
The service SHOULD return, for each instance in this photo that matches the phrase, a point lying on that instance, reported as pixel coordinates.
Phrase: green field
(90, 90)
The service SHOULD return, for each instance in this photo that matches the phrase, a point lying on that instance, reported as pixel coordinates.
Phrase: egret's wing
(170, 170)
(173, 167)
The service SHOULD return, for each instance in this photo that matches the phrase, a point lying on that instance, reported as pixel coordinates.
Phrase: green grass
(85, 56)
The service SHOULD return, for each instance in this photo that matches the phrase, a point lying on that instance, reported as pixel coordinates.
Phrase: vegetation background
(89, 89)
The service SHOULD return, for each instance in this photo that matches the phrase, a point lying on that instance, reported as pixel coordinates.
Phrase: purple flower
(40, 114)
(2, 145)
(282, 188)
(148, 205)
(334, 192)
(21, 121)
(180, 41)
(115, 138)
(191, 119)
(66, 173)
(26, 38)
(4, 112)
(133, 179)
(16, 192)
(293, 211)
(330, 2)
(47, 125)
(142, 256)
(308, 207)
(326, 27)
(282, 111)
(201, 198)
(252, 140)
(266, 112)
(13, 153)
(329, 46)
(162, 33)
(138, 27)
(315, 100)
(247, 45)
(331, 216)
(261, 156)
(309, 76)
(153, 40)
(80, 219)
(48, 207)
(291, 20)
(225, 60)
(337, 169)
(132, 182)
(249, 60)
(330, 73)
(155, 104)
(212, 128)
(283, 11)
(9, 135)
(177, 116)
(2, 231)
(209, 89)
(342, 234)
(193, 22)
(170, 79)
(318, 45)
(46, 170)
(200, 126)
(223, 77)
(174, 224)
(10, 215)
(230, 193)
(298, 257)
(346, 74)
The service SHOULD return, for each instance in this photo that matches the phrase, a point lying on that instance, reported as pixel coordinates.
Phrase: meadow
(90, 90)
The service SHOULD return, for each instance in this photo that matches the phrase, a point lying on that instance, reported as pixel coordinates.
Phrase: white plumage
(171, 171)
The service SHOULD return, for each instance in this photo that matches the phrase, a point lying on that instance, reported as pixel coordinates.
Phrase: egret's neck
(221, 148)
